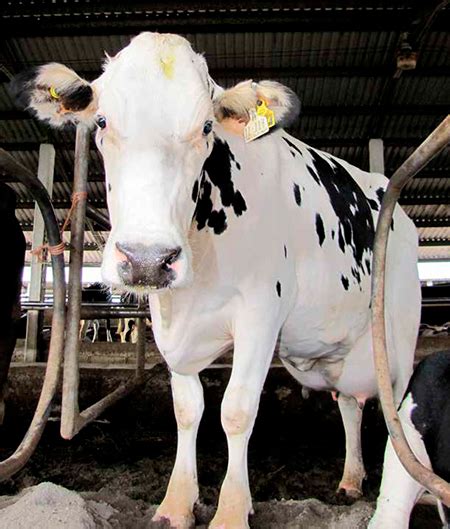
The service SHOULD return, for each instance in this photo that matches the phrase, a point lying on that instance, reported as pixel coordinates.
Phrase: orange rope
(58, 249)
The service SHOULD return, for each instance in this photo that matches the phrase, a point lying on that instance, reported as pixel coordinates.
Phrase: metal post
(70, 408)
(437, 140)
(37, 281)
(376, 155)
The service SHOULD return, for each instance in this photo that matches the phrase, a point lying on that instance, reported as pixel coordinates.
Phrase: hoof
(350, 492)
(167, 521)
(230, 522)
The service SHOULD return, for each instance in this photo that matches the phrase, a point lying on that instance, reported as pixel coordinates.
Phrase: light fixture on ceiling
(406, 57)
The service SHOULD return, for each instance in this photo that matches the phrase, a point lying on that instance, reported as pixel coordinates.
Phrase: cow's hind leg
(251, 361)
(399, 491)
(182, 492)
(354, 472)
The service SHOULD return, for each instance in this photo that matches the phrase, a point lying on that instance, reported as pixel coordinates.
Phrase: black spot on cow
(293, 148)
(320, 229)
(373, 204)
(392, 224)
(368, 266)
(218, 169)
(345, 282)
(218, 221)
(297, 195)
(109, 188)
(430, 389)
(239, 205)
(217, 172)
(313, 173)
(285, 252)
(356, 274)
(332, 234)
(380, 194)
(204, 204)
(278, 287)
(195, 191)
(355, 222)
(341, 239)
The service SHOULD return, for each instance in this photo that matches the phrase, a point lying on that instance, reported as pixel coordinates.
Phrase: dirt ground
(124, 461)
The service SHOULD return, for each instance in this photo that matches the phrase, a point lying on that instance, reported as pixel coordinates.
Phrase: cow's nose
(148, 266)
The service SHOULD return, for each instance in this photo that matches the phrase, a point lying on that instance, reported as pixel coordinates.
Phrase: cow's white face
(154, 117)
(153, 107)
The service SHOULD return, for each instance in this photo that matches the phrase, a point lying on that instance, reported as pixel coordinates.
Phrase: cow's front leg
(182, 492)
(354, 472)
(239, 408)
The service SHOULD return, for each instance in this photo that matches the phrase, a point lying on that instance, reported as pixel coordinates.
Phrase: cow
(243, 237)
(11, 268)
(425, 417)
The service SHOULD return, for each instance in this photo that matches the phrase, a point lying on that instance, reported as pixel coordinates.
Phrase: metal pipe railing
(72, 420)
(18, 459)
(420, 157)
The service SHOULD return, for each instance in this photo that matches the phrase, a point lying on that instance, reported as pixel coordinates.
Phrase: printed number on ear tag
(256, 127)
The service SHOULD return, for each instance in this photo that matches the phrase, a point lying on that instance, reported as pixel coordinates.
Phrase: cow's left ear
(56, 94)
(236, 102)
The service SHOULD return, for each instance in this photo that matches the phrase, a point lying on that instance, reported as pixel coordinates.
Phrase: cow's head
(155, 108)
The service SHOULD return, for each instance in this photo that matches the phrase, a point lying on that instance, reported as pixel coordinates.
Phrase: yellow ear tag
(261, 120)
(257, 126)
(263, 110)
(53, 93)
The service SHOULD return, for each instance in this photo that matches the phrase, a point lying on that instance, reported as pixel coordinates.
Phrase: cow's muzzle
(152, 266)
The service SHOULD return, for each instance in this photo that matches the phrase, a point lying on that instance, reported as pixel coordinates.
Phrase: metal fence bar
(19, 458)
(420, 157)
(69, 409)
(72, 420)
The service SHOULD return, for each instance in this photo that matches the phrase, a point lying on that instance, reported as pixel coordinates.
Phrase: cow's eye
(101, 122)
(207, 127)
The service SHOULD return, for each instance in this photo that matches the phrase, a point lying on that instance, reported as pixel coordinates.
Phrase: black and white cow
(239, 244)
(425, 417)
(11, 268)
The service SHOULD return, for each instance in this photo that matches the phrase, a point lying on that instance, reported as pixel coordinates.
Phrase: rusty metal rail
(19, 458)
(72, 420)
(420, 157)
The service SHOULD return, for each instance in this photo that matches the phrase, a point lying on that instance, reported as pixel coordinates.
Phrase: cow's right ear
(56, 94)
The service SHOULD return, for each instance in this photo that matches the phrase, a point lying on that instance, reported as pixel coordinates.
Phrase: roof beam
(322, 110)
(431, 222)
(103, 18)
(434, 242)
(276, 72)
(424, 200)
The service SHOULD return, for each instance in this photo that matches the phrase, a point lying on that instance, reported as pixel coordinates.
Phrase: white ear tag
(256, 127)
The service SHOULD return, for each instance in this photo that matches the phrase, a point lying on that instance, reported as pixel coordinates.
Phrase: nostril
(172, 256)
(123, 251)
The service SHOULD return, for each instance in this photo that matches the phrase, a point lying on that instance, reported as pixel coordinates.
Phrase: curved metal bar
(19, 458)
(429, 148)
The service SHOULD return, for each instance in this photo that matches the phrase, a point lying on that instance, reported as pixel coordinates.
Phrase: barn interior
(373, 80)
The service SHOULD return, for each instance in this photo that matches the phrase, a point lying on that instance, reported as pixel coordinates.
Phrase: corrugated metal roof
(346, 72)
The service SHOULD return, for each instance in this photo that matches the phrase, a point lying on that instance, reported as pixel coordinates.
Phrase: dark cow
(425, 416)
(11, 268)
